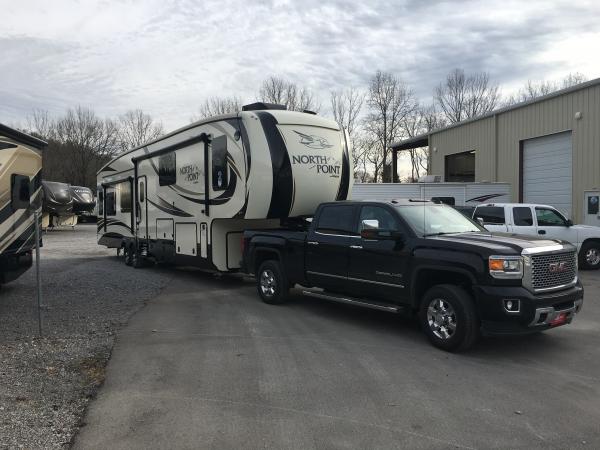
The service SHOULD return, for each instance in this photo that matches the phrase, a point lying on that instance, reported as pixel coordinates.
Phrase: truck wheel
(128, 255)
(589, 255)
(271, 283)
(448, 318)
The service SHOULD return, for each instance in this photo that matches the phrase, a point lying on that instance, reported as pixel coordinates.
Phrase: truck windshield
(433, 220)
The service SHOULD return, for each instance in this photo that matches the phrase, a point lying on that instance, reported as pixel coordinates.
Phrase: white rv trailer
(451, 193)
(187, 197)
(20, 197)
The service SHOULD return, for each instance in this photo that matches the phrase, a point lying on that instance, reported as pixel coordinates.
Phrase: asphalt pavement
(206, 364)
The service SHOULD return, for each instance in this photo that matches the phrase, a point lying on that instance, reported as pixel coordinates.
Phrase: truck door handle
(312, 243)
(541, 231)
(359, 247)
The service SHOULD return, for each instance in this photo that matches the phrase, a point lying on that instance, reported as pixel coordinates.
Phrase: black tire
(589, 256)
(129, 255)
(271, 283)
(137, 260)
(456, 308)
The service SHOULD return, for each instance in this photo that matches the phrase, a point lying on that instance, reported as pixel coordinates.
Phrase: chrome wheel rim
(441, 318)
(268, 285)
(592, 256)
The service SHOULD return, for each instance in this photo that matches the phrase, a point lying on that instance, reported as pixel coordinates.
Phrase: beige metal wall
(496, 141)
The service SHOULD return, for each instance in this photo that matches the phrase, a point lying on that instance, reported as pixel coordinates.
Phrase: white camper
(187, 197)
(450, 193)
(20, 197)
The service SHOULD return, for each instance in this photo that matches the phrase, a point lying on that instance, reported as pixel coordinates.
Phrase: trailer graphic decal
(312, 141)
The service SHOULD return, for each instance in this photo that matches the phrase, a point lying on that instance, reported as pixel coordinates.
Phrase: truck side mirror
(480, 221)
(569, 223)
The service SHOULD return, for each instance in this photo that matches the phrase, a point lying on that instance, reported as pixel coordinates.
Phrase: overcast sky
(165, 56)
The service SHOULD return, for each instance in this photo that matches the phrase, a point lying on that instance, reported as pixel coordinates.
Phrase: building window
(167, 172)
(460, 167)
(220, 178)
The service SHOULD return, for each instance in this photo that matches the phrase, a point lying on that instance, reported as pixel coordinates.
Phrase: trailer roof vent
(258, 106)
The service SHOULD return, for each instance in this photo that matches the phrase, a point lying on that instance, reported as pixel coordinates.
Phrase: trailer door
(142, 208)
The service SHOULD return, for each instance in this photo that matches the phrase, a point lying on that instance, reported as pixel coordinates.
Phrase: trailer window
(111, 207)
(100, 201)
(220, 178)
(491, 215)
(522, 216)
(125, 196)
(167, 172)
(20, 192)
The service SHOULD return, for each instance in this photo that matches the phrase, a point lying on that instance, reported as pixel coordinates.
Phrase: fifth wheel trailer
(20, 198)
(187, 197)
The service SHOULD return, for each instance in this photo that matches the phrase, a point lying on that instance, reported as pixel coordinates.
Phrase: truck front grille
(552, 271)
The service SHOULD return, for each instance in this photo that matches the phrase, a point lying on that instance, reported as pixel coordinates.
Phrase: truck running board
(351, 301)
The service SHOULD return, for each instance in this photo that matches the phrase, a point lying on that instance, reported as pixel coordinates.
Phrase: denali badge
(557, 267)
(312, 141)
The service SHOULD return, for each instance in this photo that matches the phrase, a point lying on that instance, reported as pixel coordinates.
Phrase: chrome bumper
(545, 316)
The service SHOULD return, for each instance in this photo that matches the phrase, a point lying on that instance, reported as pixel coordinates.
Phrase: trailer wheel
(137, 260)
(448, 318)
(271, 283)
(128, 250)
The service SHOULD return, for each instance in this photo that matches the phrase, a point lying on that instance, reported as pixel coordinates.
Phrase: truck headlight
(506, 267)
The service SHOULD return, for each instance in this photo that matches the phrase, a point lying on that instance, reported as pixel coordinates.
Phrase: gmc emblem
(557, 267)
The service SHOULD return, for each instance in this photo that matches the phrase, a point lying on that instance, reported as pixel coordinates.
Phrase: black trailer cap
(259, 106)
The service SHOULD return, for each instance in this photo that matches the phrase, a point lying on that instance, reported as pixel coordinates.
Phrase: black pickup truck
(412, 255)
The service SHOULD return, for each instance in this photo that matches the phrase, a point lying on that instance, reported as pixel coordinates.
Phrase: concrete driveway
(208, 365)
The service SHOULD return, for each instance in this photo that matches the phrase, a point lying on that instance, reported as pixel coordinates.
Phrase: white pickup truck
(543, 221)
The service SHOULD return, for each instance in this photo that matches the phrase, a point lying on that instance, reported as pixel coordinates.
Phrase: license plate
(560, 319)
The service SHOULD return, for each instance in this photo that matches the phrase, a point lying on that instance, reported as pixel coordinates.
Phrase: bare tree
(346, 106)
(40, 124)
(464, 96)
(390, 102)
(87, 142)
(137, 128)
(216, 106)
(284, 92)
(535, 89)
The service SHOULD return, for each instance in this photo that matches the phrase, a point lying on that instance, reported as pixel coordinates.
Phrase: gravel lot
(45, 384)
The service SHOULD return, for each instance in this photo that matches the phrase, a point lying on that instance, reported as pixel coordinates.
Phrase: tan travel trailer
(20, 197)
(187, 197)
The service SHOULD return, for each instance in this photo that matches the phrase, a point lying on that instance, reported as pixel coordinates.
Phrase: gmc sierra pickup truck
(416, 256)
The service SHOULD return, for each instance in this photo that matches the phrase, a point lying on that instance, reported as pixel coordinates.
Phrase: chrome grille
(554, 270)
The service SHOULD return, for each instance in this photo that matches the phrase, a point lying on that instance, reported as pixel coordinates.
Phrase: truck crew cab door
(378, 267)
(327, 247)
(551, 224)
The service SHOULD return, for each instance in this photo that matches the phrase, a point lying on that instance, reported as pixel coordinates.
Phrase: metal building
(548, 149)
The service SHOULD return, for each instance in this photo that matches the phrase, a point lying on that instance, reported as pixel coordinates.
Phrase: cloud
(167, 56)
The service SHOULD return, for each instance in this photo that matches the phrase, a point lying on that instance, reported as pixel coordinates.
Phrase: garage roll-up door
(548, 171)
